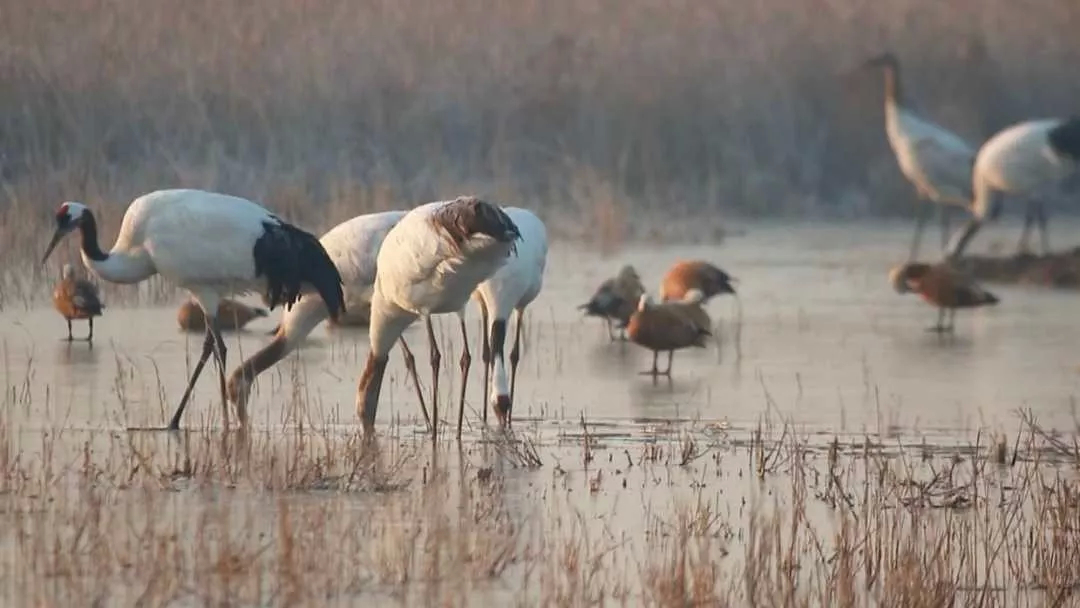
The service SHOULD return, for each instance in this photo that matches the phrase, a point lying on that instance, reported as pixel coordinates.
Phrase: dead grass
(697, 515)
(624, 119)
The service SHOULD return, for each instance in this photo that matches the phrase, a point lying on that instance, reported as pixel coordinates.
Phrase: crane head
(883, 60)
(68, 217)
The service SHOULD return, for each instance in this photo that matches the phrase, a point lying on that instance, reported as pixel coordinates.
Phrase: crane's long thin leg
(1029, 219)
(219, 356)
(921, 214)
(436, 358)
(208, 347)
(1040, 217)
(515, 356)
(410, 365)
(485, 354)
(466, 362)
(946, 214)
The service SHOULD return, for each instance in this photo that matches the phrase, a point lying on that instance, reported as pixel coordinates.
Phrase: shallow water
(822, 341)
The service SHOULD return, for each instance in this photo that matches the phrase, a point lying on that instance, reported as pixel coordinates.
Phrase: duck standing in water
(77, 298)
(942, 286)
(669, 326)
(616, 299)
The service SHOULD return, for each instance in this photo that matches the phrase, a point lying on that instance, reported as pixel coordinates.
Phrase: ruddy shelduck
(943, 286)
(77, 298)
(686, 275)
(669, 326)
(231, 315)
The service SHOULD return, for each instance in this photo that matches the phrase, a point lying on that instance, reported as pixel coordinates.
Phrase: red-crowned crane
(430, 263)
(935, 160)
(509, 290)
(353, 246)
(1022, 160)
(212, 245)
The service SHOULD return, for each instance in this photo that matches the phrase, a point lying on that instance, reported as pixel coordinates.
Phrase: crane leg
(945, 216)
(1029, 219)
(436, 358)
(410, 365)
(498, 341)
(485, 354)
(921, 213)
(1040, 217)
(208, 347)
(219, 357)
(466, 362)
(515, 356)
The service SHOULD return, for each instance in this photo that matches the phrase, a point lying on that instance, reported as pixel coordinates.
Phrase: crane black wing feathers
(1065, 138)
(289, 257)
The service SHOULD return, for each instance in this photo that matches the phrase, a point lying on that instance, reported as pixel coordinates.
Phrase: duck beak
(57, 237)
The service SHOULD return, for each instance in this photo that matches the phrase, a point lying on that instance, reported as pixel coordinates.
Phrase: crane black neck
(90, 247)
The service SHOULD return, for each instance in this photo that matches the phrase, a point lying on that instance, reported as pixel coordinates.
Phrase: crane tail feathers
(291, 258)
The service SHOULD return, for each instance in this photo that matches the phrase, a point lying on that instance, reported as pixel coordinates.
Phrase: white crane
(935, 160)
(352, 246)
(509, 290)
(212, 245)
(430, 263)
(1022, 160)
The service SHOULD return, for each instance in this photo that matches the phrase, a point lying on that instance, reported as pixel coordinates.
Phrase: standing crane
(353, 246)
(935, 160)
(212, 245)
(509, 290)
(1022, 160)
(430, 263)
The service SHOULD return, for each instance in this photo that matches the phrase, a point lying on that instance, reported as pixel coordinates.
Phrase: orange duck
(696, 274)
(942, 286)
(232, 315)
(77, 298)
(669, 326)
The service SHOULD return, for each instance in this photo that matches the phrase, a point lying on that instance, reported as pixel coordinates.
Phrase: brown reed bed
(691, 514)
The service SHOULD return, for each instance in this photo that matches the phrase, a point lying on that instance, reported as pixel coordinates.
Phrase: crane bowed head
(68, 216)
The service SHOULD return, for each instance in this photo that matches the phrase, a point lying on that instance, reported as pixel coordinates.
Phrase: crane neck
(296, 324)
(115, 267)
(894, 90)
(88, 231)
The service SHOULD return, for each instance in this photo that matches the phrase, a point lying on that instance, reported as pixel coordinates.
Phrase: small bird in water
(669, 326)
(942, 286)
(231, 315)
(616, 299)
(77, 298)
(684, 276)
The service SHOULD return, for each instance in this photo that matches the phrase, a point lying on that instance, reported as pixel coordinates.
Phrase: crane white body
(936, 161)
(430, 263)
(353, 246)
(513, 287)
(213, 245)
(1029, 160)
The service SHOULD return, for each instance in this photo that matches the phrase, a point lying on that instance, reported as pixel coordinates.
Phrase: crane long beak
(57, 237)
